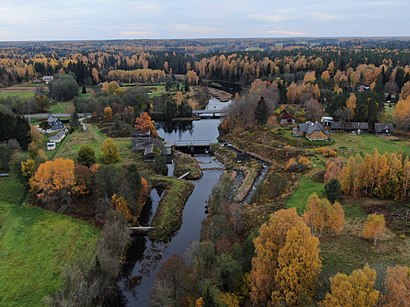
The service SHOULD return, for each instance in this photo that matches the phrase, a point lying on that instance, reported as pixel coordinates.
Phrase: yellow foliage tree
(110, 151)
(375, 226)
(317, 214)
(337, 218)
(272, 237)
(299, 265)
(397, 285)
(108, 114)
(351, 104)
(109, 88)
(355, 290)
(28, 168)
(121, 205)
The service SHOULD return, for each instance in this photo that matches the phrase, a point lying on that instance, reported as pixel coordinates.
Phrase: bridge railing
(183, 143)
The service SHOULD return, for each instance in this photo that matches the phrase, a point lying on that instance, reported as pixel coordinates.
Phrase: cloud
(137, 34)
(281, 32)
(322, 16)
(193, 29)
(270, 17)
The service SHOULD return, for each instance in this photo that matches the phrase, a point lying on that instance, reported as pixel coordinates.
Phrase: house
(57, 138)
(55, 123)
(285, 118)
(140, 139)
(383, 128)
(312, 131)
(51, 146)
(357, 127)
(47, 79)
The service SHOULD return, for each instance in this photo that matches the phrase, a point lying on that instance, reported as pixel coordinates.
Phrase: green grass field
(11, 190)
(35, 245)
(366, 143)
(306, 187)
(22, 94)
(61, 108)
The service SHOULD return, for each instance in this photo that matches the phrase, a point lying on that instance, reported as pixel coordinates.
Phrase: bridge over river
(192, 146)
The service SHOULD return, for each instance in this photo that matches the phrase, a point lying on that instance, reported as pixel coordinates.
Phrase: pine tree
(261, 112)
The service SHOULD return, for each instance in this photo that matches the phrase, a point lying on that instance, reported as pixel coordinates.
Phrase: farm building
(57, 138)
(383, 128)
(357, 127)
(312, 131)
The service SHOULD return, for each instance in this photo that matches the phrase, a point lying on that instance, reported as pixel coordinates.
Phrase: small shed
(149, 153)
(285, 118)
(383, 128)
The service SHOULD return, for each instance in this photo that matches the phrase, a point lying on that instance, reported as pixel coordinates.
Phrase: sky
(159, 19)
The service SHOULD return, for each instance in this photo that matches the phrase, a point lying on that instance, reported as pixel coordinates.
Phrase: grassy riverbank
(168, 217)
(185, 163)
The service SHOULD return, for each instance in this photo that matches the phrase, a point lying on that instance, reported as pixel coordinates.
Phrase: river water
(145, 257)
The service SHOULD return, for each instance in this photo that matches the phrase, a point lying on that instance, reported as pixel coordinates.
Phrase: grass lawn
(366, 143)
(306, 187)
(61, 108)
(35, 245)
(22, 94)
(155, 91)
(11, 190)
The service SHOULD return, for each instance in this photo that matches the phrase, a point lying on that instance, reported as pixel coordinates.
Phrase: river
(145, 257)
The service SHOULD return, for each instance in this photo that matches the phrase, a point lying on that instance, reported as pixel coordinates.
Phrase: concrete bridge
(192, 146)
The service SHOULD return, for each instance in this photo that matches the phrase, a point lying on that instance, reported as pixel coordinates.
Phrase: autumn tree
(192, 77)
(53, 182)
(86, 155)
(108, 114)
(351, 104)
(320, 215)
(145, 124)
(299, 265)
(374, 227)
(109, 88)
(353, 290)
(337, 218)
(272, 237)
(397, 285)
(28, 169)
(120, 204)
(110, 151)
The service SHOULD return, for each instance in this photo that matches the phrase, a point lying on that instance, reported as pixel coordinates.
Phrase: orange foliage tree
(321, 215)
(53, 181)
(144, 123)
(397, 285)
(108, 114)
(375, 226)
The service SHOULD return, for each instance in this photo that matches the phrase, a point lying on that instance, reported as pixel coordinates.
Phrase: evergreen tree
(333, 190)
(84, 90)
(74, 120)
(261, 112)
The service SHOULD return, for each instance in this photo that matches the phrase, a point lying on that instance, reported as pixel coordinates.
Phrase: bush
(5, 157)
(160, 165)
(86, 156)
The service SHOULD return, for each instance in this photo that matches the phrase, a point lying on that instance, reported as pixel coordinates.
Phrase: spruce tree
(261, 112)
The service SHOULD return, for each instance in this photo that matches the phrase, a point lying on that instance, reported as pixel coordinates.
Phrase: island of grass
(186, 164)
(168, 217)
(35, 247)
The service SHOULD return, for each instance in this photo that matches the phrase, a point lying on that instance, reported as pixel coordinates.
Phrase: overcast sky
(109, 19)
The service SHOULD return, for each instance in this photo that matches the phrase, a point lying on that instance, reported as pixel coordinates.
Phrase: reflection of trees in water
(176, 126)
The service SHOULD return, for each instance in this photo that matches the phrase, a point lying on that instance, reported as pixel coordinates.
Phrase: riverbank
(168, 217)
